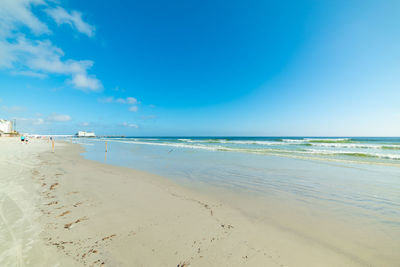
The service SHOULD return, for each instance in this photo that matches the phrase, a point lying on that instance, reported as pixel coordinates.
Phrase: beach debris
(77, 204)
(183, 264)
(52, 203)
(69, 225)
(64, 213)
(66, 242)
(132, 233)
(53, 186)
(227, 226)
(108, 237)
(101, 264)
(48, 195)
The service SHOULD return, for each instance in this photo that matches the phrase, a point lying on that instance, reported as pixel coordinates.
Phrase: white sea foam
(299, 141)
(225, 141)
(327, 139)
(353, 153)
(223, 145)
(355, 145)
(180, 145)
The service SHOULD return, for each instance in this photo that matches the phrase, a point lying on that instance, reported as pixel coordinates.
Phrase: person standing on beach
(22, 138)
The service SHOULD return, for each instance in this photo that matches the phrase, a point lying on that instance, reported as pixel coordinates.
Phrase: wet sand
(58, 208)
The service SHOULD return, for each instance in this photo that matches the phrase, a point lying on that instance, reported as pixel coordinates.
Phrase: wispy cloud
(106, 99)
(111, 99)
(84, 81)
(38, 121)
(58, 118)
(133, 108)
(33, 121)
(73, 18)
(17, 13)
(13, 109)
(128, 101)
(29, 73)
(130, 125)
(148, 117)
(38, 56)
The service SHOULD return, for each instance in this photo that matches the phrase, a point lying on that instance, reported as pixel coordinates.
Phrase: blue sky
(306, 68)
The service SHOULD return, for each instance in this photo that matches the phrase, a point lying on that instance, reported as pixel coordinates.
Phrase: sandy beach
(59, 209)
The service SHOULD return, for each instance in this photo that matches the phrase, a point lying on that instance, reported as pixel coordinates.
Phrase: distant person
(22, 138)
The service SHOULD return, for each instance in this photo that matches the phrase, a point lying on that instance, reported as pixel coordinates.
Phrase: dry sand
(60, 209)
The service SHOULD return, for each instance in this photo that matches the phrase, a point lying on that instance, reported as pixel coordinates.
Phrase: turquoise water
(375, 150)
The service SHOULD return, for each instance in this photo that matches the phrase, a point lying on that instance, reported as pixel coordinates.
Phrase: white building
(6, 126)
(85, 134)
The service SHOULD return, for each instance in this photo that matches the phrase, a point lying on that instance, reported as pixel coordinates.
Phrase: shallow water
(347, 201)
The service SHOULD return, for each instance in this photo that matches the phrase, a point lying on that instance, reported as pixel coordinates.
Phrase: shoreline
(95, 214)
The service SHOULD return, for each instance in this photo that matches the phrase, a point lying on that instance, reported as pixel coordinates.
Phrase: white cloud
(39, 57)
(120, 100)
(84, 124)
(106, 99)
(148, 117)
(73, 18)
(58, 118)
(38, 121)
(29, 73)
(117, 89)
(128, 100)
(33, 121)
(133, 108)
(130, 125)
(17, 13)
(131, 100)
(53, 118)
(13, 109)
(111, 99)
(83, 81)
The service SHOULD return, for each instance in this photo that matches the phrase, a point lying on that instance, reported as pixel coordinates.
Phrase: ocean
(361, 149)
